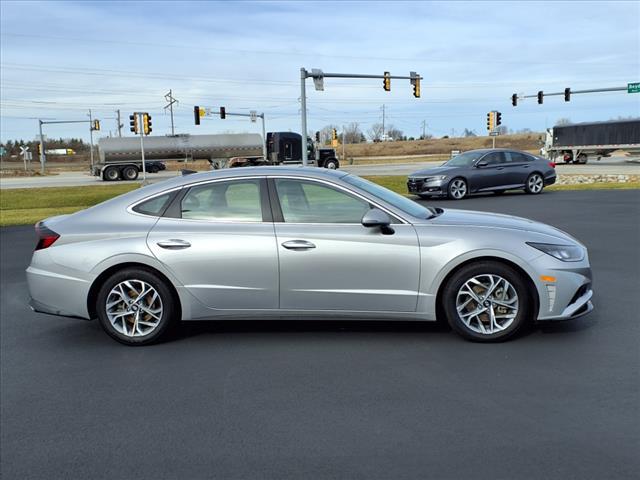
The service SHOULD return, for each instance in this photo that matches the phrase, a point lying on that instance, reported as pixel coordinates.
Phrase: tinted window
(233, 201)
(309, 202)
(494, 158)
(154, 206)
(517, 157)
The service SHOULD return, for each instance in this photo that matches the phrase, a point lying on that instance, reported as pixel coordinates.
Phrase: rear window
(154, 206)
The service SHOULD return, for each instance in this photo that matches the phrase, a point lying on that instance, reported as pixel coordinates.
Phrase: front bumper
(427, 186)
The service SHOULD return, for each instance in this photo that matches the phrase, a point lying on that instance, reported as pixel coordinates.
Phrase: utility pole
(424, 129)
(383, 121)
(318, 80)
(91, 137)
(120, 125)
(43, 159)
(169, 98)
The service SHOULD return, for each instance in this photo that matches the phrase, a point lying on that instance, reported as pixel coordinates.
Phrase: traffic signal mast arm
(567, 92)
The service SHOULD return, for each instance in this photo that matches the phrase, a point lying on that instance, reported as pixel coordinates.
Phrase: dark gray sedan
(487, 170)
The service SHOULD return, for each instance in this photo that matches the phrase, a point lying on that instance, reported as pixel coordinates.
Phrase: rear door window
(154, 206)
(494, 158)
(232, 201)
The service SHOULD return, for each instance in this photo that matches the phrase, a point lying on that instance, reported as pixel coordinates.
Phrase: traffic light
(133, 123)
(567, 94)
(498, 119)
(416, 87)
(223, 113)
(196, 115)
(387, 82)
(96, 125)
(514, 99)
(317, 137)
(540, 97)
(490, 123)
(39, 149)
(334, 134)
(146, 123)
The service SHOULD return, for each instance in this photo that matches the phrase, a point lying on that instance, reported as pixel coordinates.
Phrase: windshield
(464, 159)
(402, 203)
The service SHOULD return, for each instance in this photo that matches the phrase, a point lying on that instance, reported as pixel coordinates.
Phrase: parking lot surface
(357, 400)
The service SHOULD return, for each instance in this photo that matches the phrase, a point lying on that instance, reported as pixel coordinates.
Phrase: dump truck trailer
(579, 142)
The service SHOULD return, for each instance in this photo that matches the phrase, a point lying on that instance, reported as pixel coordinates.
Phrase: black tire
(458, 188)
(170, 310)
(111, 174)
(469, 271)
(534, 184)
(331, 164)
(130, 173)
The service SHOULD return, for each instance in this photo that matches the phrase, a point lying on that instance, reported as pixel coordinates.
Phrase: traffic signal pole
(318, 77)
(91, 137)
(515, 97)
(43, 157)
(144, 166)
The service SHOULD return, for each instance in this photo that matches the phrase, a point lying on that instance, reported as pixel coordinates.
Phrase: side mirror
(481, 164)
(377, 218)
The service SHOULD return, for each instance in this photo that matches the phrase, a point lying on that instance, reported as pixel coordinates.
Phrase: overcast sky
(61, 58)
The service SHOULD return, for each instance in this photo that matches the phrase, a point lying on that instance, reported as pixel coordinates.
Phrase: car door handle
(298, 245)
(174, 244)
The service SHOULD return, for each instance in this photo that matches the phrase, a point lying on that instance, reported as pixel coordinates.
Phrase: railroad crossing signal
(96, 125)
(567, 94)
(540, 97)
(387, 82)
(223, 113)
(146, 123)
(133, 123)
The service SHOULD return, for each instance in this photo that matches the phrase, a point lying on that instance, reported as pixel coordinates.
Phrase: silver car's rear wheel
(137, 306)
(488, 301)
(457, 189)
(134, 308)
(487, 304)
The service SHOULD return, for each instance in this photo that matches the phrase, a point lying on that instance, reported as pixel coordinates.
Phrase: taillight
(46, 236)
(552, 164)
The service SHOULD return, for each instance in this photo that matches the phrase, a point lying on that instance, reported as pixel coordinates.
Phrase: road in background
(613, 166)
(362, 400)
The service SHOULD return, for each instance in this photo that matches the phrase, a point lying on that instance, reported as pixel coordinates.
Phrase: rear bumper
(49, 310)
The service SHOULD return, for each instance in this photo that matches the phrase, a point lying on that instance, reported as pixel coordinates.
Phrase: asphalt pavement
(353, 400)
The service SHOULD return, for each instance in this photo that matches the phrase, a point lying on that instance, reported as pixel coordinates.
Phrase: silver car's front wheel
(487, 304)
(136, 306)
(487, 301)
(457, 189)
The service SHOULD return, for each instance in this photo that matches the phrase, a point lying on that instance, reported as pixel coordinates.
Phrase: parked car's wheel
(487, 301)
(153, 169)
(111, 174)
(535, 184)
(457, 189)
(136, 307)
(130, 173)
(331, 164)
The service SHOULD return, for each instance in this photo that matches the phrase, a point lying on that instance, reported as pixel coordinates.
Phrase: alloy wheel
(535, 183)
(458, 188)
(134, 308)
(487, 304)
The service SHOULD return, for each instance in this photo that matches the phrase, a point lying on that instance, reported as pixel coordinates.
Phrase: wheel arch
(99, 280)
(440, 315)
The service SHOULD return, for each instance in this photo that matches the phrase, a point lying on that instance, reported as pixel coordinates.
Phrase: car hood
(444, 170)
(470, 218)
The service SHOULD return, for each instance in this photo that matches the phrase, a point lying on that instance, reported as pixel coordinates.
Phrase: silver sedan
(300, 243)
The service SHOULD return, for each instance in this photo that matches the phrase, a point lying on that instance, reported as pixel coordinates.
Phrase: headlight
(433, 179)
(566, 253)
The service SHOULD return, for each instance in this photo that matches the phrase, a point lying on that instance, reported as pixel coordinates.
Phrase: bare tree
(394, 133)
(469, 133)
(563, 121)
(352, 133)
(375, 132)
(503, 130)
